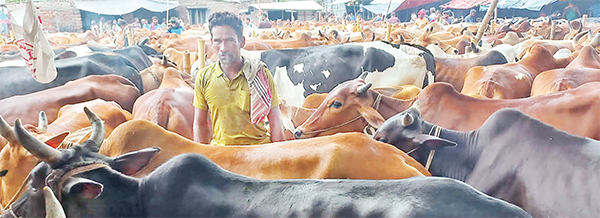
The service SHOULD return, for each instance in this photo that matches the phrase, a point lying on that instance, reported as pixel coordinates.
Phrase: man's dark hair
(226, 19)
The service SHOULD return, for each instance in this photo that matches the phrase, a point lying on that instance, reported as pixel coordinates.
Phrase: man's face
(226, 42)
(154, 20)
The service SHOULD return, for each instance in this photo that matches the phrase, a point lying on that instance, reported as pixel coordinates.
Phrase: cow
(18, 80)
(89, 184)
(575, 111)
(584, 68)
(511, 80)
(512, 156)
(301, 72)
(454, 70)
(108, 87)
(70, 127)
(169, 106)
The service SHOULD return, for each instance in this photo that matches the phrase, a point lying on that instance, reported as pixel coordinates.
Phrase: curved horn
(7, 132)
(36, 147)
(596, 40)
(363, 75)
(462, 31)
(97, 135)
(417, 106)
(401, 39)
(165, 62)
(53, 207)
(578, 37)
(407, 119)
(363, 88)
(43, 121)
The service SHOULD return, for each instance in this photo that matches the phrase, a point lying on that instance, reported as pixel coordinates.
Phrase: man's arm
(202, 129)
(275, 125)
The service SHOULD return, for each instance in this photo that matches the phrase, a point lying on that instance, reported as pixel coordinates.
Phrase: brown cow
(303, 41)
(454, 70)
(512, 80)
(342, 156)
(169, 106)
(108, 87)
(16, 161)
(177, 57)
(584, 68)
(575, 111)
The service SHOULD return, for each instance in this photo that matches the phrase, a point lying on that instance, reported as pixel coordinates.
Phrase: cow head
(347, 108)
(89, 189)
(405, 131)
(16, 161)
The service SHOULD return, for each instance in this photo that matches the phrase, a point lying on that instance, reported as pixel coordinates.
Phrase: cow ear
(432, 142)
(82, 188)
(57, 140)
(372, 116)
(132, 162)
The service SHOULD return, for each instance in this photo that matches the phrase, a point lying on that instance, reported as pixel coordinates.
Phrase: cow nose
(297, 134)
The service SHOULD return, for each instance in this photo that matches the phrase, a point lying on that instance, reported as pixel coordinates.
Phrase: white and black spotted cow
(301, 72)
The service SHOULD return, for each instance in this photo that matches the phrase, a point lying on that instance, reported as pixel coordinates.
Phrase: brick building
(64, 16)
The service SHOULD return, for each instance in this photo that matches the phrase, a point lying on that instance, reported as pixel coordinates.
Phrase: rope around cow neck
(375, 105)
(437, 130)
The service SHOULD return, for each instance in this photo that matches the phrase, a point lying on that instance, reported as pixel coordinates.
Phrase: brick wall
(57, 15)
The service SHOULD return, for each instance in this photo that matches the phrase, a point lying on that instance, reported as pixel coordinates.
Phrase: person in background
(377, 18)
(471, 17)
(264, 21)
(163, 24)
(107, 26)
(145, 24)
(413, 18)
(235, 94)
(175, 26)
(94, 27)
(393, 19)
(447, 17)
(115, 27)
(154, 25)
(248, 24)
(571, 12)
(101, 22)
(136, 23)
(432, 16)
(351, 17)
(422, 20)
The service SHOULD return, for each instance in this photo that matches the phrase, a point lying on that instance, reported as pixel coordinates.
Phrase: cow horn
(97, 135)
(165, 62)
(474, 48)
(363, 88)
(596, 40)
(462, 31)
(363, 75)
(401, 38)
(407, 119)
(7, 132)
(417, 106)
(578, 37)
(36, 147)
(144, 41)
(53, 207)
(43, 121)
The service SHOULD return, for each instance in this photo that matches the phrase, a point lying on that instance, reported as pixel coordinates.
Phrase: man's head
(154, 19)
(472, 13)
(174, 21)
(136, 20)
(144, 21)
(246, 20)
(227, 39)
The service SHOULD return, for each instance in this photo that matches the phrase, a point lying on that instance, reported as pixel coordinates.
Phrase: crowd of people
(175, 25)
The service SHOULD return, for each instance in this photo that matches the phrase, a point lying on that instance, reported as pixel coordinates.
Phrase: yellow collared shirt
(229, 105)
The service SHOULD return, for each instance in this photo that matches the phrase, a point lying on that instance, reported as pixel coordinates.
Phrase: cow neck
(454, 162)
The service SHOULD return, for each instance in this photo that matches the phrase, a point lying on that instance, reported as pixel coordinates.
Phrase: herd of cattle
(424, 123)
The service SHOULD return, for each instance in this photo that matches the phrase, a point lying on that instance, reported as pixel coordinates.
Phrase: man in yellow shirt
(235, 94)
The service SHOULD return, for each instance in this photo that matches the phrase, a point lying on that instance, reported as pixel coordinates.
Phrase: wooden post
(187, 66)
(201, 54)
(552, 29)
(485, 21)
(389, 31)
(129, 36)
(167, 21)
(584, 20)
(359, 24)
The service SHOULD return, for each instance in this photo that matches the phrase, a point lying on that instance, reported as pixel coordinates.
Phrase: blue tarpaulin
(532, 5)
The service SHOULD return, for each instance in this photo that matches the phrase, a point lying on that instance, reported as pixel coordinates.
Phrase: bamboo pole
(583, 20)
(167, 21)
(187, 66)
(388, 33)
(201, 54)
(485, 20)
(552, 29)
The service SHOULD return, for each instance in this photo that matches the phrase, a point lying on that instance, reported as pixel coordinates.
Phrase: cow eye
(3, 173)
(336, 104)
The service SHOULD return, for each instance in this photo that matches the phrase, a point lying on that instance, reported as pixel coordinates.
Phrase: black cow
(512, 156)
(304, 71)
(190, 185)
(18, 80)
